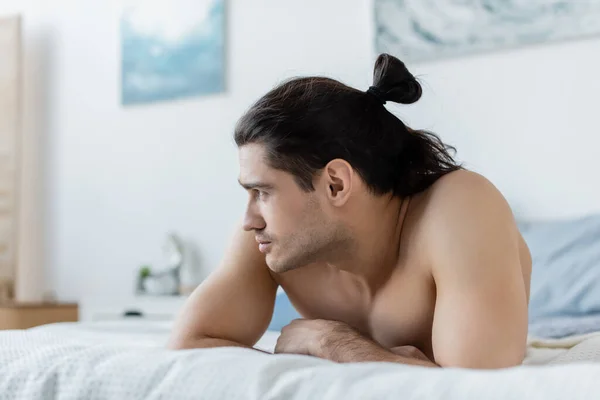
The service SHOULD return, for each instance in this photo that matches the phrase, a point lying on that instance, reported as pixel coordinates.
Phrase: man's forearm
(201, 343)
(204, 343)
(346, 347)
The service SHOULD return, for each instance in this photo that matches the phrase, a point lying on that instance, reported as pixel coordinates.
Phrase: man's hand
(336, 341)
(409, 352)
(304, 336)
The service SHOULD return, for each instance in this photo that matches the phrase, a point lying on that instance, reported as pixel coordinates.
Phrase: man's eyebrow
(255, 185)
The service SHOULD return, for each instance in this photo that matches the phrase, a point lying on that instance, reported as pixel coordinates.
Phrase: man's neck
(377, 234)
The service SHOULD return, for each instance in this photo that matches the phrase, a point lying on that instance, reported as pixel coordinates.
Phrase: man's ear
(338, 175)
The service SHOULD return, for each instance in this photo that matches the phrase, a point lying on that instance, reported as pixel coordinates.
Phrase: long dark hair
(306, 122)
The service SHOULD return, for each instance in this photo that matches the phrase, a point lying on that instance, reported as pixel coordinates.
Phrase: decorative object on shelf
(191, 272)
(172, 49)
(6, 291)
(165, 280)
(420, 30)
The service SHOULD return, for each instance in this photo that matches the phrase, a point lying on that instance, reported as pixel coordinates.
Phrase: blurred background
(122, 115)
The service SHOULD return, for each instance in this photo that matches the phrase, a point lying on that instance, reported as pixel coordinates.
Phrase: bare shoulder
(463, 195)
(464, 211)
(463, 185)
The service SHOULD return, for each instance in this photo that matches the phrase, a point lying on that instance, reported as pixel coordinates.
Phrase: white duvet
(76, 361)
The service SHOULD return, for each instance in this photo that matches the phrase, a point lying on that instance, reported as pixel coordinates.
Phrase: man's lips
(263, 245)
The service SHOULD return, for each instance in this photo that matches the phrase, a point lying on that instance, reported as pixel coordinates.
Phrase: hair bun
(394, 81)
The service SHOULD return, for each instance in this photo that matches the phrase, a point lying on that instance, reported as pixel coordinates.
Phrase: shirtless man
(387, 248)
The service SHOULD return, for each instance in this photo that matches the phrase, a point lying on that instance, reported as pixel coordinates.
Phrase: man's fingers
(410, 352)
(279, 346)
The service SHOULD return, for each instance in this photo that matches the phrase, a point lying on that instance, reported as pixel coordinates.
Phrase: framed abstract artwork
(422, 30)
(172, 49)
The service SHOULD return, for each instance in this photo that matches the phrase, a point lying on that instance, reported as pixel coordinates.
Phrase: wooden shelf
(29, 315)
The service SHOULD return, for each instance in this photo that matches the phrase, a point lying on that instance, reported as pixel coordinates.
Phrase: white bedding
(116, 361)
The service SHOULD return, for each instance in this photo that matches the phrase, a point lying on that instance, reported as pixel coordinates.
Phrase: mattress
(129, 361)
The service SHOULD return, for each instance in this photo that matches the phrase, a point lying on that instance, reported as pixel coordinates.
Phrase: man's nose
(253, 221)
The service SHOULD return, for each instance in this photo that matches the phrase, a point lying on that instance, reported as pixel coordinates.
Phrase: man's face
(290, 226)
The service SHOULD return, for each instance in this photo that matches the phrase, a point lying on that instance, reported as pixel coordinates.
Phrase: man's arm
(344, 345)
(336, 341)
(234, 306)
(480, 318)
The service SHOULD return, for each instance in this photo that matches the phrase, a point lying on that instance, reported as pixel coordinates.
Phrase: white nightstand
(151, 308)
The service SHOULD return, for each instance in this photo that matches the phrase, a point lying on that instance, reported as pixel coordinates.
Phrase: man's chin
(271, 263)
(275, 265)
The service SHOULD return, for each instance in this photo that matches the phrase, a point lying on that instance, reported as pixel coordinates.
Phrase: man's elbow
(182, 342)
(179, 343)
(484, 361)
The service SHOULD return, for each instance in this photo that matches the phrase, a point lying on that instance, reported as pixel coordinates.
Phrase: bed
(128, 360)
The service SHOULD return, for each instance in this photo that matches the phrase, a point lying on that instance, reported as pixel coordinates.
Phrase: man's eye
(259, 194)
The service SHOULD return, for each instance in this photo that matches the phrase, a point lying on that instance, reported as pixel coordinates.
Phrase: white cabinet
(150, 308)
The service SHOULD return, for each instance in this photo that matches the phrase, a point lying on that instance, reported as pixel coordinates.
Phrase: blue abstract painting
(172, 49)
(420, 30)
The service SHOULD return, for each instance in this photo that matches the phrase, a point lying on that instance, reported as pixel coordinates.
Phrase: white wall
(525, 118)
(114, 180)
